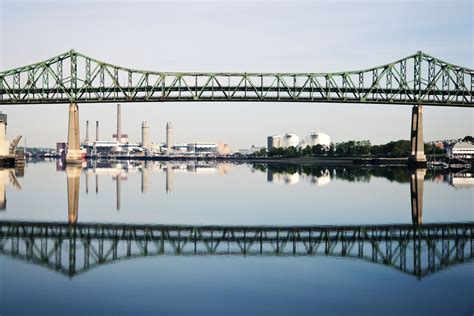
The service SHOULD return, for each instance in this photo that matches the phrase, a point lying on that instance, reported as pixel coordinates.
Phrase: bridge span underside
(73, 78)
(417, 250)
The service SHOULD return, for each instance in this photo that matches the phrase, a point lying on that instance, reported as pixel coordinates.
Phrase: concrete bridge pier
(417, 157)
(73, 154)
(417, 181)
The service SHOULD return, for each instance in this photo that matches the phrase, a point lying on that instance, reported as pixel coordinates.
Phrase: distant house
(462, 150)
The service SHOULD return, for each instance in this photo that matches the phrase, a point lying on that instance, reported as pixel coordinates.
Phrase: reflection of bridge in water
(74, 249)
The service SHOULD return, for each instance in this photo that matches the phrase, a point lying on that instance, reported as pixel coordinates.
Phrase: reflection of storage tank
(169, 136)
(145, 135)
(282, 177)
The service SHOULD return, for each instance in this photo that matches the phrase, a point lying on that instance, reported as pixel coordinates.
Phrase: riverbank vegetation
(394, 149)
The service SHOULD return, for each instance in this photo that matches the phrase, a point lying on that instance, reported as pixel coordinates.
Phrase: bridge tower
(73, 154)
(417, 156)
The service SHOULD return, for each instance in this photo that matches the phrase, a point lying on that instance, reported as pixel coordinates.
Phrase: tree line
(393, 149)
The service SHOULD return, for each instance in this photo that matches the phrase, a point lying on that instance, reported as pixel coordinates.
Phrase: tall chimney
(96, 131)
(119, 125)
(169, 136)
(145, 135)
(87, 131)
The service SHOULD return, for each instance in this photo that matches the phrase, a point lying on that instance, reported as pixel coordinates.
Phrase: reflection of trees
(347, 173)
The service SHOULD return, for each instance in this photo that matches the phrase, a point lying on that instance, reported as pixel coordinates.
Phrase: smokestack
(145, 135)
(96, 131)
(169, 136)
(119, 125)
(87, 131)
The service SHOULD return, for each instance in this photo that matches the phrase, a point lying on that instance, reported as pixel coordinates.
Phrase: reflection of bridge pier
(73, 174)
(8, 176)
(416, 192)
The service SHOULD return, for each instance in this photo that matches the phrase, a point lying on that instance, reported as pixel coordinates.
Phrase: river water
(225, 238)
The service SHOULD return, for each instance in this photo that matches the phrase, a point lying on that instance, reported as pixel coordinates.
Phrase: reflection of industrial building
(291, 140)
(119, 171)
(462, 180)
(291, 178)
(8, 176)
(282, 177)
(320, 180)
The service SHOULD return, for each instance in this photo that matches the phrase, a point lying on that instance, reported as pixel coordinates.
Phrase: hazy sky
(266, 36)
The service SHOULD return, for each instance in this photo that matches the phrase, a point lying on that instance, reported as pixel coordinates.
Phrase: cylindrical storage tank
(291, 140)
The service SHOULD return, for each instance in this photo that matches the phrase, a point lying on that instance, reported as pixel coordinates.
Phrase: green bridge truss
(419, 79)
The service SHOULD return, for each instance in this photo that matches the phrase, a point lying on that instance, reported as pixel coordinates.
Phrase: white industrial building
(463, 150)
(4, 144)
(275, 141)
(282, 141)
(202, 148)
(318, 138)
(291, 140)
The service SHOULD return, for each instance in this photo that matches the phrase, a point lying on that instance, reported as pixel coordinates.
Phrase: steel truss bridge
(417, 250)
(72, 77)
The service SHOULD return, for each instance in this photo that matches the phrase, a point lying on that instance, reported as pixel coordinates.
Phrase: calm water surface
(207, 238)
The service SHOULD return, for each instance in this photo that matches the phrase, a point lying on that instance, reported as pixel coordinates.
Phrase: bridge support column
(417, 181)
(73, 154)
(417, 156)
(73, 174)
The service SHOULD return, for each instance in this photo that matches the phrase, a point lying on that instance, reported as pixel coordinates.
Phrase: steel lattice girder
(74, 77)
(74, 249)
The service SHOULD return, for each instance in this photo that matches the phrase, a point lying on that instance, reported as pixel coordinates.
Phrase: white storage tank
(318, 138)
(291, 140)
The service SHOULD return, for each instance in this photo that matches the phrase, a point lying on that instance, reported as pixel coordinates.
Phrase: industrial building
(201, 148)
(4, 144)
(463, 150)
(283, 141)
(292, 140)
(318, 138)
(121, 146)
